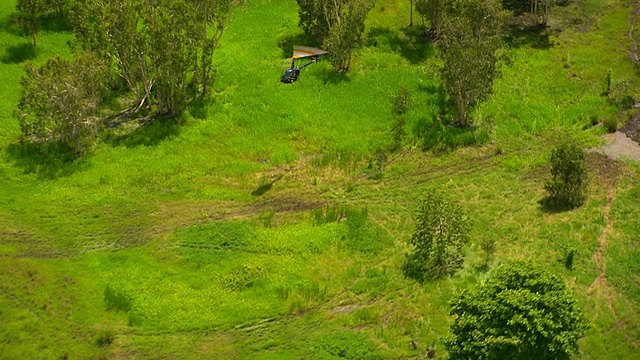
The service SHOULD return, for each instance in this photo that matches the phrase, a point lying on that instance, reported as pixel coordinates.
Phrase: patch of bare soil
(624, 143)
(619, 146)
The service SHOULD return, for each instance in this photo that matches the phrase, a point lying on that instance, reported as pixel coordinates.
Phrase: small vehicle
(300, 52)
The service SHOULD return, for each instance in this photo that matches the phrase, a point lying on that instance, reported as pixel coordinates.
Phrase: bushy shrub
(568, 183)
(610, 123)
(519, 312)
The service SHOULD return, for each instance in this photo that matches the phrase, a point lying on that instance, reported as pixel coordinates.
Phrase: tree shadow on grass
(19, 53)
(286, 43)
(550, 205)
(412, 43)
(535, 36)
(55, 23)
(149, 132)
(50, 161)
(330, 76)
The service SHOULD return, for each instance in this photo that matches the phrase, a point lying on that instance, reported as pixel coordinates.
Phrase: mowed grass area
(155, 247)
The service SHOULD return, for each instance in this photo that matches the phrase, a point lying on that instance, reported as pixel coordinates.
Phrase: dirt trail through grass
(600, 283)
(600, 288)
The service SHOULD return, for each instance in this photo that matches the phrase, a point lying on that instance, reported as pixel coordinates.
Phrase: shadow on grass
(9, 25)
(150, 133)
(51, 161)
(550, 205)
(412, 43)
(535, 36)
(19, 53)
(55, 23)
(286, 43)
(330, 76)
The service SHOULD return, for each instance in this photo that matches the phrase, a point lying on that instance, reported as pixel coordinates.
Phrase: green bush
(610, 123)
(568, 183)
(519, 312)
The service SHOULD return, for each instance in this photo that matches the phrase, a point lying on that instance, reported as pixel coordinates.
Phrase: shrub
(442, 229)
(106, 338)
(402, 101)
(398, 132)
(610, 123)
(519, 312)
(60, 102)
(568, 183)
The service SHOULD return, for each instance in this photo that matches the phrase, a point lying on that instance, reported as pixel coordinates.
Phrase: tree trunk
(410, 13)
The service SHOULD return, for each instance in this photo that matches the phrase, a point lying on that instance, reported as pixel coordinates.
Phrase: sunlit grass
(165, 218)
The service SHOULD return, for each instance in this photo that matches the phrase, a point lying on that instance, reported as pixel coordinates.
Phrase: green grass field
(154, 246)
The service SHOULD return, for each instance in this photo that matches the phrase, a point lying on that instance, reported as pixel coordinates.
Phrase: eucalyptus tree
(337, 25)
(470, 39)
(441, 232)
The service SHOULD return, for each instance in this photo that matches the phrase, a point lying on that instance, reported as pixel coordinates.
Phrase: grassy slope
(165, 215)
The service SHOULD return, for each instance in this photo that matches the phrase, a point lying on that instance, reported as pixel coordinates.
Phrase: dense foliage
(568, 183)
(442, 230)
(60, 101)
(519, 312)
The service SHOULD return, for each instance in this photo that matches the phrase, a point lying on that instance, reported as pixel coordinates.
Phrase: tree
(158, 49)
(568, 183)
(345, 33)
(433, 11)
(336, 24)
(60, 101)
(519, 312)
(442, 230)
(470, 40)
(29, 12)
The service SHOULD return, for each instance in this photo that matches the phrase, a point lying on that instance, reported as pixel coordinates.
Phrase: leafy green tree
(442, 230)
(568, 183)
(29, 12)
(336, 24)
(519, 312)
(60, 101)
(470, 39)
